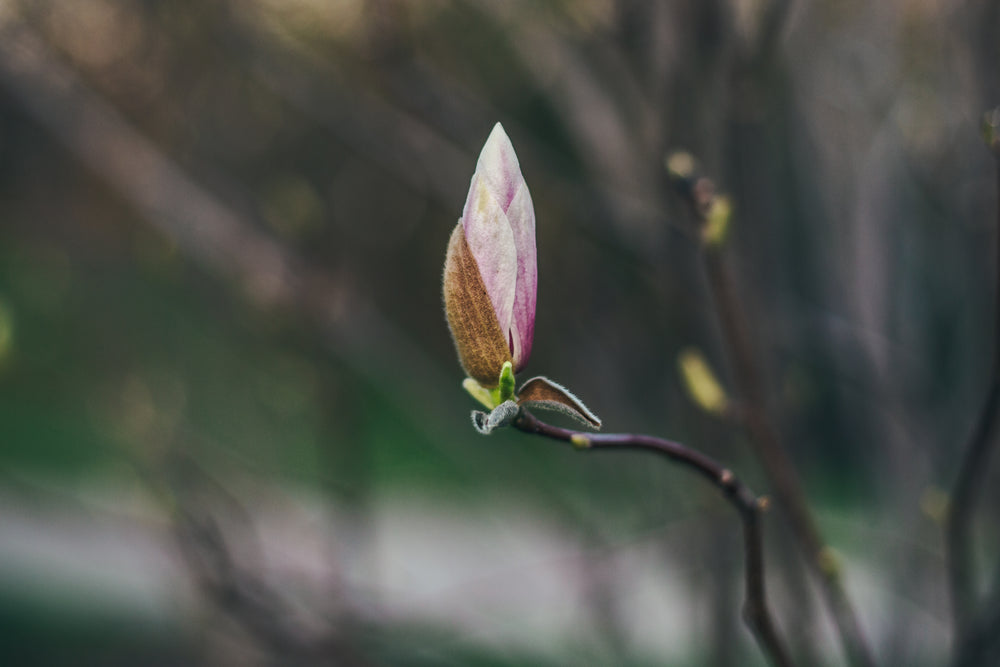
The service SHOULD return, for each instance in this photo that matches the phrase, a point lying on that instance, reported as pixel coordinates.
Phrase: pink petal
(521, 216)
(491, 242)
(499, 166)
(499, 225)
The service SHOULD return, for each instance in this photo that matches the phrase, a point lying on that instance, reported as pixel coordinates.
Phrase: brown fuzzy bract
(544, 393)
(481, 344)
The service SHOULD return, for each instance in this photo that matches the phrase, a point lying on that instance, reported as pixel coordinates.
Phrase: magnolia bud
(491, 273)
(490, 281)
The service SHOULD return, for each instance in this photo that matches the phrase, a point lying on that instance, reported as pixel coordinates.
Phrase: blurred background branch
(713, 217)
(976, 622)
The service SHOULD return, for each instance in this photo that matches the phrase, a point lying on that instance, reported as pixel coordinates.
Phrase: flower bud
(491, 273)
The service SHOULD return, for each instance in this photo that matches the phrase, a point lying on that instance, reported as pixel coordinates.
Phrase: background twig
(699, 194)
(972, 635)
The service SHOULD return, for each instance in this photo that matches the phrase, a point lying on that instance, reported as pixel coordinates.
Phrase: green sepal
(479, 392)
(505, 390)
(491, 398)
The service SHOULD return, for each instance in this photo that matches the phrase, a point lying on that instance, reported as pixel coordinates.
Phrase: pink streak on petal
(521, 216)
(491, 242)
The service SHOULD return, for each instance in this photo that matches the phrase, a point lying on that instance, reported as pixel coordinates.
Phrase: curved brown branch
(739, 495)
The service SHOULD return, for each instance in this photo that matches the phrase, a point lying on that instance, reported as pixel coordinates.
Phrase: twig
(982, 638)
(972, 470)
(756, 613)
(699, 193)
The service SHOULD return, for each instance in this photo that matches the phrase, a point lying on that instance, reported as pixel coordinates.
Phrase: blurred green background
(231, 423)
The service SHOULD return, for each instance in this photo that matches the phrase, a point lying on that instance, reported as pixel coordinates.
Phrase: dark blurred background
(231, 423)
